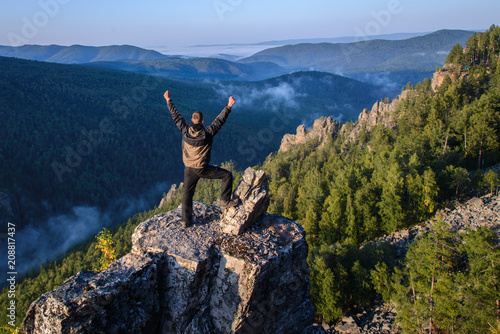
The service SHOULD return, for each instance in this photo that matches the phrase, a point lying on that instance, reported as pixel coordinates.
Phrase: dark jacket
(197, 139)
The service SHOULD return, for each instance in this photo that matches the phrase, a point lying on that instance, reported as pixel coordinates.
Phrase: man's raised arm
(178, 119)
(221, 119)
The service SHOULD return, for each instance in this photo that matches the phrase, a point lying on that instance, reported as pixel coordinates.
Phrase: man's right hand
(167, 95)
(231, 102)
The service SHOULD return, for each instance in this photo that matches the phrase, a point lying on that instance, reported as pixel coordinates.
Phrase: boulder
(253, 191)
(121, 299)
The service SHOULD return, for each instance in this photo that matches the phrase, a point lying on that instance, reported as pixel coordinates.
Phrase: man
(196, 151)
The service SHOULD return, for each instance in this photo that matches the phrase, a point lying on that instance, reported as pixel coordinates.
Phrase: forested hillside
(62, 126)
(393, 63)
(73, 135)
(352, 191)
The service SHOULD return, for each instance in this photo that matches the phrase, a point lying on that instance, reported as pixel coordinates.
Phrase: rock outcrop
(171, 194)
(196, 280)
(449, 70)
(322, 129)
(473, 214)
(253, 192)
(381, 113)
(379, 320)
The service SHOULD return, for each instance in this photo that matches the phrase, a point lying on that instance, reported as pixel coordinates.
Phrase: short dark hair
(197, 117)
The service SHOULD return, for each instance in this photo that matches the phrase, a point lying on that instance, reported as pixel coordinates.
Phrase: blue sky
(151, 23)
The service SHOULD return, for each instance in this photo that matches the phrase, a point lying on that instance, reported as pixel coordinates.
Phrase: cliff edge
(209, 278)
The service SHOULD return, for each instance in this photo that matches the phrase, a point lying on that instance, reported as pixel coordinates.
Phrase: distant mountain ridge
(198, 68)
(417, 53)
(389, 53)
(345, 39)
(389, 62)
(79, 54)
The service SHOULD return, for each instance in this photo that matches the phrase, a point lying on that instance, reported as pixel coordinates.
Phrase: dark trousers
(191, 177)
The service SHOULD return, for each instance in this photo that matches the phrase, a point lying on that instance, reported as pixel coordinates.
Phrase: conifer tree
(456, 55)
(390, 202)
(458, 178)
(325, 294)
(430, 190)
(427, 289)
(482, 300)
(310, 199)
(492, 180)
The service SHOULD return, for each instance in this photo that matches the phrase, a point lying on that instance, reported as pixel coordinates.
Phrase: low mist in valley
(44, 241)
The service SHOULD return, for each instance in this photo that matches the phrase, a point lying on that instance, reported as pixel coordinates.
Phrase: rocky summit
(196, 280)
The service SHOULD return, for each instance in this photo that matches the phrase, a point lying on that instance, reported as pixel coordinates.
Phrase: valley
(85, 146)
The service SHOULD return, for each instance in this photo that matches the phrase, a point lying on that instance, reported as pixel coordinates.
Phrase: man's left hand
(231, 102)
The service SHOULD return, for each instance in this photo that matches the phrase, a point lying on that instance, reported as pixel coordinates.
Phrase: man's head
(197, 117)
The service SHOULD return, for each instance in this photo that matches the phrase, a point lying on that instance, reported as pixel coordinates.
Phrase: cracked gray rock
(195, 280)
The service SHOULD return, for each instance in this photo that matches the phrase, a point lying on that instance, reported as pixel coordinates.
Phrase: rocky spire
(322, 129)
(253, 191)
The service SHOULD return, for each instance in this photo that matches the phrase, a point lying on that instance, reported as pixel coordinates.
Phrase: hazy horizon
(224, 22)
(234, 51)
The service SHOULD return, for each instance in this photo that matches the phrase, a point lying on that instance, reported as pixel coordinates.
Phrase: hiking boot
(229, 204)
